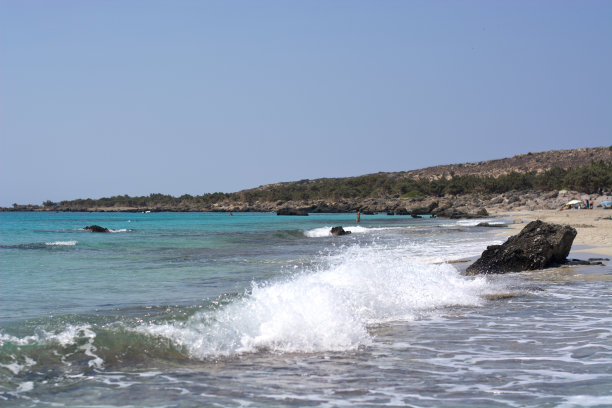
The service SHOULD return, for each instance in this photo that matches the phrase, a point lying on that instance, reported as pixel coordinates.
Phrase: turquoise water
(203, 309)
(183, 258)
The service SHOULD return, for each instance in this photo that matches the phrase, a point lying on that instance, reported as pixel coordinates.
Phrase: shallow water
(184, 309)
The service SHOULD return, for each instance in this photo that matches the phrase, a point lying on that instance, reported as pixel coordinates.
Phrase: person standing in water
(358, 215)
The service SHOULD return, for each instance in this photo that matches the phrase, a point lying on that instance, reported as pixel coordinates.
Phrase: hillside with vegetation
(587, 170)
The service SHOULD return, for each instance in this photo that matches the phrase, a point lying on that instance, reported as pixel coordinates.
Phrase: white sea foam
(327, 309)
(472, 222)
(25, 387)
(575, 401)
(318, 232)
(16, 368)
(69, 336)
(61, 243)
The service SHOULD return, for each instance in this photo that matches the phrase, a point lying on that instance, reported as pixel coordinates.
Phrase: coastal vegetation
(588, 179)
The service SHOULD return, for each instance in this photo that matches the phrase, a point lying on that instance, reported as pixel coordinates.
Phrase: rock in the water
(96, 228)
(291, 211)
(487, 224)
(337, 231)
(537, 246)
(573, 262)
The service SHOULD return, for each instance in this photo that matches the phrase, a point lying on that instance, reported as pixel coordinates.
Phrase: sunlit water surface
(192, 309)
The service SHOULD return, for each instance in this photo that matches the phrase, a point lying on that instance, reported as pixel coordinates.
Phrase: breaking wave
(61, 243)
(326, 231)
(330, 309)
(41, 245)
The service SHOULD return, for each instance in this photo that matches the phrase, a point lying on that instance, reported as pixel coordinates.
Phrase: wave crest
(329, 309)
(326, 231)
(61, 243)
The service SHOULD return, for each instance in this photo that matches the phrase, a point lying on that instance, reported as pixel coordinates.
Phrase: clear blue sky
(101, 98)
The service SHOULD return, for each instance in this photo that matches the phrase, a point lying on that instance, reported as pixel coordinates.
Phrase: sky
(112, 97)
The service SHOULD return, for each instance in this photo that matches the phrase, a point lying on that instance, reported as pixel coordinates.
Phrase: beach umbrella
(573, 202)
(606, 203)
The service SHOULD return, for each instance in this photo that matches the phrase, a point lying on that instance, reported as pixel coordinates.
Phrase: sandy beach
(594, 226)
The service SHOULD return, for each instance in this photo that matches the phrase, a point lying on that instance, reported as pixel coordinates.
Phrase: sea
(260, 310)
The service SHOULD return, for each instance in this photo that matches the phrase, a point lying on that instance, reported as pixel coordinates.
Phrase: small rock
(338, 231)
(482, 212)
(96, 228)
(575, 262)
(486, 224)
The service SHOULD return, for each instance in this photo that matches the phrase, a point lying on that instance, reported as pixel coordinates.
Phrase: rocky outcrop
(423, 210)
(537, 246)
(291, 211)
(338, 231)
(96, 228)
(455, 213)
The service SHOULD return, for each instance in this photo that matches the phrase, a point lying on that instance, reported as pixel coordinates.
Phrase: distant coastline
(529, 181)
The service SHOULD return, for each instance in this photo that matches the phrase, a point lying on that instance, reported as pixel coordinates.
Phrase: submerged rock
(96, 228)
(338, 231)
(537, 246)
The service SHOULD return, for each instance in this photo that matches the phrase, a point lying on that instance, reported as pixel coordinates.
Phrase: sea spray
(326, 231)
(327, 309)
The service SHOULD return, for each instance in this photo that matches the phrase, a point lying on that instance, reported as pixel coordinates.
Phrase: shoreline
(594, 226)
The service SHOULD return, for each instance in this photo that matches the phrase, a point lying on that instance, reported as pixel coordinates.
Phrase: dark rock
(454, 213)
(425, 210)
(401, 211)
(291, 211)
(482, 212)
(486, 224)
(96, 228)
(537, 246)
(577, 262)
(338, 231)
